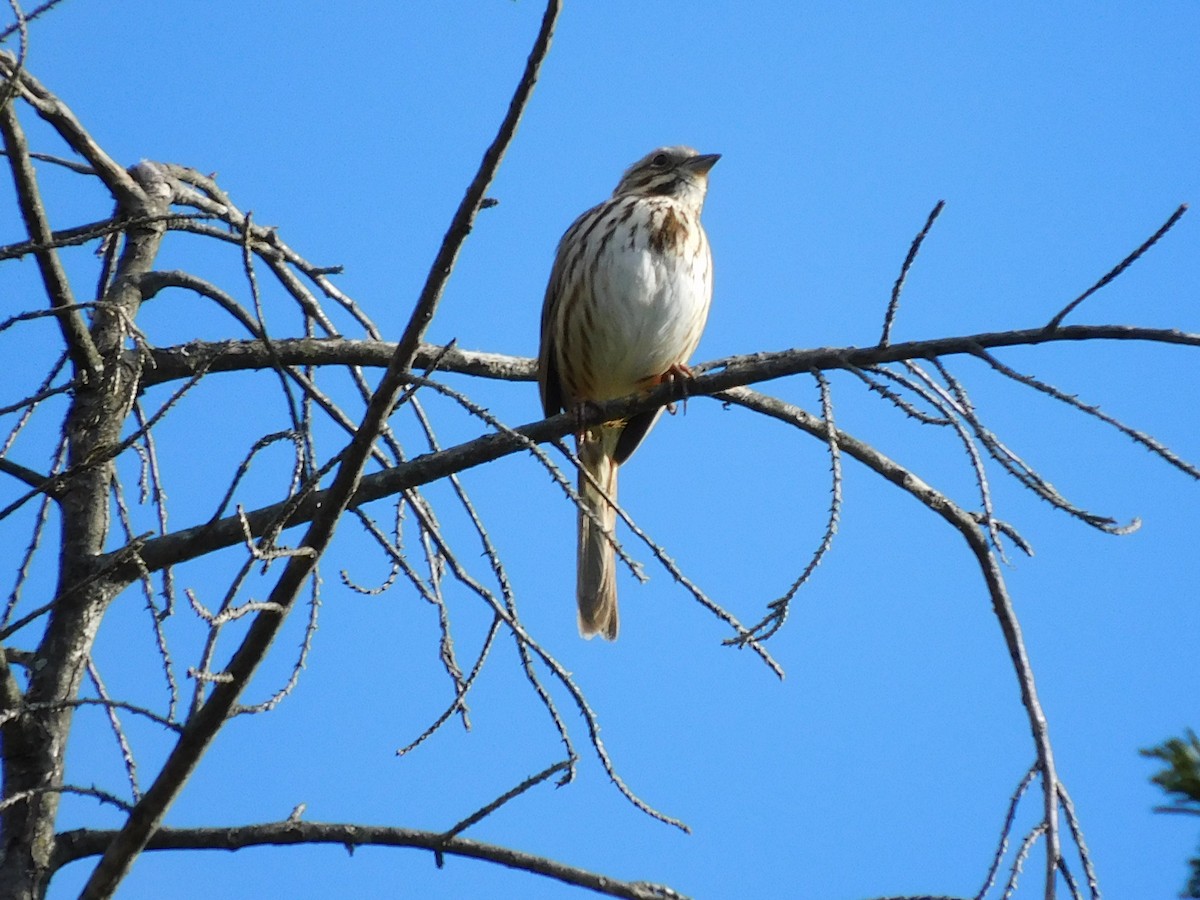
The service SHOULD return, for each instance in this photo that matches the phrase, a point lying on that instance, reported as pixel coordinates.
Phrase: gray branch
(75, 845)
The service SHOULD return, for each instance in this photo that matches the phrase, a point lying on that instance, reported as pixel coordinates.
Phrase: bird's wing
(549, 385)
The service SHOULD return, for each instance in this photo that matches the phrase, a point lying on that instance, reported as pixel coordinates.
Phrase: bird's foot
(678, 374)
(580, 412)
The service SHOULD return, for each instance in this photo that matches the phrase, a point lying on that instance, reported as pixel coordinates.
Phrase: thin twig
(775, 618)
(506, 591)
(1006, 830)
(458, 704)
(39, 527)
(110, 453)
(1119, 268)
(36, 13)
(114, 722)
(1019, 863)
(959, 410)
(894, 304)
(104, 229)
(487, 810)
(905, 406)
(1085, 856)
(93, 791)
(1150, 443)
(263, 333)
(306, 642)
(81, 702)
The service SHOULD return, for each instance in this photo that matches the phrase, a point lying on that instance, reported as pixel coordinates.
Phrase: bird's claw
(679, 374)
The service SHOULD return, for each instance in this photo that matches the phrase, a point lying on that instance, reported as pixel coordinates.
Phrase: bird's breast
(647, 286)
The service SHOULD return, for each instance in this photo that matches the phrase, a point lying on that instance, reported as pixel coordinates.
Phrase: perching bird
(626, 304)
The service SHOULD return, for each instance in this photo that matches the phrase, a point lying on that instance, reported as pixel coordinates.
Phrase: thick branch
(174, 363)
(124, 188)
(10, 699)
(34, 743)
(58, 288)
(30, 477)
(737, 372)
(74, 845)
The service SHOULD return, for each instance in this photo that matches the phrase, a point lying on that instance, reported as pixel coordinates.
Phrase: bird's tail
(596, 584)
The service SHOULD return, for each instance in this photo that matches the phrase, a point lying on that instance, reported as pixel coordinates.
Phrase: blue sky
(1060, 137)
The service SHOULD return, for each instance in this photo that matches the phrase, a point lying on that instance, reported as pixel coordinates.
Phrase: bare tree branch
(58, 289)
(33, 479)
(483, 812)
(734, 372)
(34, 740)
(1006, 830)
(74, 845)
(35, 13)
(1119, 268)
(977, 541)
(173, 363)
(123, 186)
(889, 317)
(777, 610)
(205, 723)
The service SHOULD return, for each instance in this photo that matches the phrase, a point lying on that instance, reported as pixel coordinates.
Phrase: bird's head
(678, 172)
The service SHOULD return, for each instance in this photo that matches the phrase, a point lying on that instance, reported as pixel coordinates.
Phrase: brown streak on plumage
(669, 232)
(581, 239)
(599, 254)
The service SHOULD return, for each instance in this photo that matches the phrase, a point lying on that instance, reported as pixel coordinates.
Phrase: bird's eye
(660, 159)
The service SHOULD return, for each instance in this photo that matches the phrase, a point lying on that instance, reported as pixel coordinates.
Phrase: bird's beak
(702, 163)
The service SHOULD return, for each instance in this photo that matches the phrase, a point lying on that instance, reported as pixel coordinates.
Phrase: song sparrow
(624, 309)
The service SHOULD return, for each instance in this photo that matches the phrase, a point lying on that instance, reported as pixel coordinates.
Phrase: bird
(626, 303)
